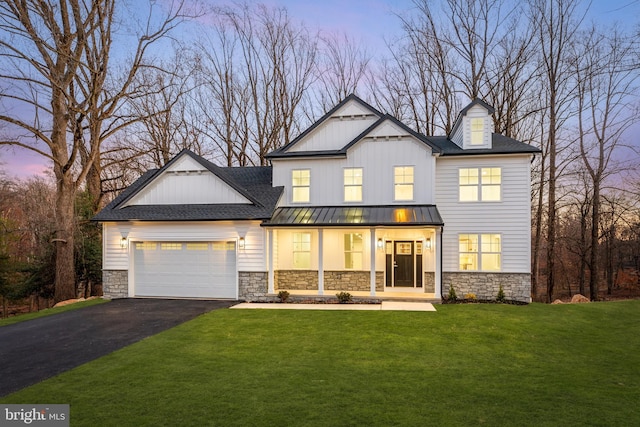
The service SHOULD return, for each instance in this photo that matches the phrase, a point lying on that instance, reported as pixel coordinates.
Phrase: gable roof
(352, 97)
(465, 110)
(254, 183)
(282, 153)
(500, 144)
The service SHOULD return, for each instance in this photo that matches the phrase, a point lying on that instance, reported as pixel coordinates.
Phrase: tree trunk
(65, 287)
(595, 221)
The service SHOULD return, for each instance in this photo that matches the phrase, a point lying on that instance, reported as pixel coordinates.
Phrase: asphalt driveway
(34, 350)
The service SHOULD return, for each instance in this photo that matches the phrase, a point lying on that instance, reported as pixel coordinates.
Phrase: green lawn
(462, 365)
(49, 311)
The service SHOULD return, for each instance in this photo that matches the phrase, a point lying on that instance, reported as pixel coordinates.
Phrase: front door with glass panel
(404, 264)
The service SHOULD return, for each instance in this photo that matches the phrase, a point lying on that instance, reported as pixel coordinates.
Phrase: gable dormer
(474, 126)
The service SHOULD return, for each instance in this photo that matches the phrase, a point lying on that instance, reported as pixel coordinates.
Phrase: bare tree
(605, 82)
(54, 60)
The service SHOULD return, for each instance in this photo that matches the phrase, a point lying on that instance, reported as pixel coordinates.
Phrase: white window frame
(481, 249)
(295, 185)
(300, 245)
(477, 127)
(397, 185)
(353, 184)
(482, 183)
(351, 251)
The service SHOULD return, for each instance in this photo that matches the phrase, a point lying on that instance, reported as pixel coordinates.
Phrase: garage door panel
(185, 269)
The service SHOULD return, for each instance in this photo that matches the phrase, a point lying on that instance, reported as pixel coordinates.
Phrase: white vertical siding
(377, 159)
(334, 134)
(510, 217)
(251, 258)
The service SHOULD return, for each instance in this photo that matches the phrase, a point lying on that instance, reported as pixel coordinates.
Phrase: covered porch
(386, 252)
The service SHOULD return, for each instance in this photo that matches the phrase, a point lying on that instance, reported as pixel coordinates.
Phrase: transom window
(480, 252)
(300, 184)
(302, 250)
(353, 185)
(403, 182)
(480, 184)
(353, 251)
(477, 131)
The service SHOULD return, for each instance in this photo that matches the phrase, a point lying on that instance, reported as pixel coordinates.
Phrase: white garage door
(185, 269)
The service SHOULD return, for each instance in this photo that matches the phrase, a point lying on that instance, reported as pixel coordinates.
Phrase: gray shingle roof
(500, 145)
(253, 182)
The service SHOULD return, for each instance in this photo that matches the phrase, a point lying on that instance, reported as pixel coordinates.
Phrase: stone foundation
(352, 281)
(516, 286)
(253, 286)
(429, 282)
(115, 283)
(303, 280)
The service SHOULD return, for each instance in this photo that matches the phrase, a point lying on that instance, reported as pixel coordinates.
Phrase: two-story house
(358, 202)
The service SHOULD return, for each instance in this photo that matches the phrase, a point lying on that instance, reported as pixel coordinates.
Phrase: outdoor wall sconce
(427, 243)
(123, 242)
(241, 243)
(380, 243)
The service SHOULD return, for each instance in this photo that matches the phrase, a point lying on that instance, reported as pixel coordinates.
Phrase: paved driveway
(34, 350)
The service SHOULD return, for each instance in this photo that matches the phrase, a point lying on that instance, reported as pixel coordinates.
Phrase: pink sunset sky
(370, 22)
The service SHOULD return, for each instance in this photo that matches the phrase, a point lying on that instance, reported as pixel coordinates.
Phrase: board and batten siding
(187, 182)
(341, 128)
(377, 157)
(511, 217)
(251, 258)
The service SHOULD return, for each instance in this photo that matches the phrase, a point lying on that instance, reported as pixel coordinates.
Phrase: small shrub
(343, 297)
(283, 296)
(500, 297)
(470, 296)
(452, 294)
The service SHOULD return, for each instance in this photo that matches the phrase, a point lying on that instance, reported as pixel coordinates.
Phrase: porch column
(372, 279)
(320, 263)
(438, 248)
(270, 275)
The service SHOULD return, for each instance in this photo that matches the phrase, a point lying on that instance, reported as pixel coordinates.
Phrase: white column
(438, 269)
(270, 274)
(320, 262)
(373, 262)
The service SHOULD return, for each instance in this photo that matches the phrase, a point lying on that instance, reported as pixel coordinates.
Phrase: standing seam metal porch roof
(369, 216)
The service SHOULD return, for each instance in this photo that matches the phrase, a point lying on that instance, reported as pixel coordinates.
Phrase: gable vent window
(477, 131)
(300, 184)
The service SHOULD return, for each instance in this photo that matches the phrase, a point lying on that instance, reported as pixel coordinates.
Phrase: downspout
(441, 256)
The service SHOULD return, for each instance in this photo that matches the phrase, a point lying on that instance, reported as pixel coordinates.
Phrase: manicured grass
(49, 311)
(463, 365)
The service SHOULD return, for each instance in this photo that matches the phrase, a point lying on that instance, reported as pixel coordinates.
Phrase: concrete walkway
(386, 305)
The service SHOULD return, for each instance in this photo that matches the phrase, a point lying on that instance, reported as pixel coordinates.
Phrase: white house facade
(358, 202)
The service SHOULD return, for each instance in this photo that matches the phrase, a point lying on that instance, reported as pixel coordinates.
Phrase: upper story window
(301, 250)
(480, 252)
(403, 183)
(480, 184)
(353, 185)
(300, 184)
(477, 131)
(353, 251)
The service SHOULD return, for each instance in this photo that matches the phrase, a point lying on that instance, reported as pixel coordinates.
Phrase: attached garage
(185, 269)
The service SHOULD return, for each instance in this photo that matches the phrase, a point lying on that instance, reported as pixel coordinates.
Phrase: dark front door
(403, 264)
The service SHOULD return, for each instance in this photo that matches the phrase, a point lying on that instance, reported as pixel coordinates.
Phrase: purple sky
(369, 21)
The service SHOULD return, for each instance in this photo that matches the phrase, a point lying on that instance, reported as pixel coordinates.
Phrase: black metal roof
(252, 182)
(500, 144)
(366, 216)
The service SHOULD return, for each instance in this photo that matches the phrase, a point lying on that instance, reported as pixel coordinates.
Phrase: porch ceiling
(369, 216)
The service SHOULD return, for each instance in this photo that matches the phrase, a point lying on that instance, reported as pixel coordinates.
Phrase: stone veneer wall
(352, 281)
(253, 286)
(429, 282)
(115, 283)
(305, 280)
(516, 286)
